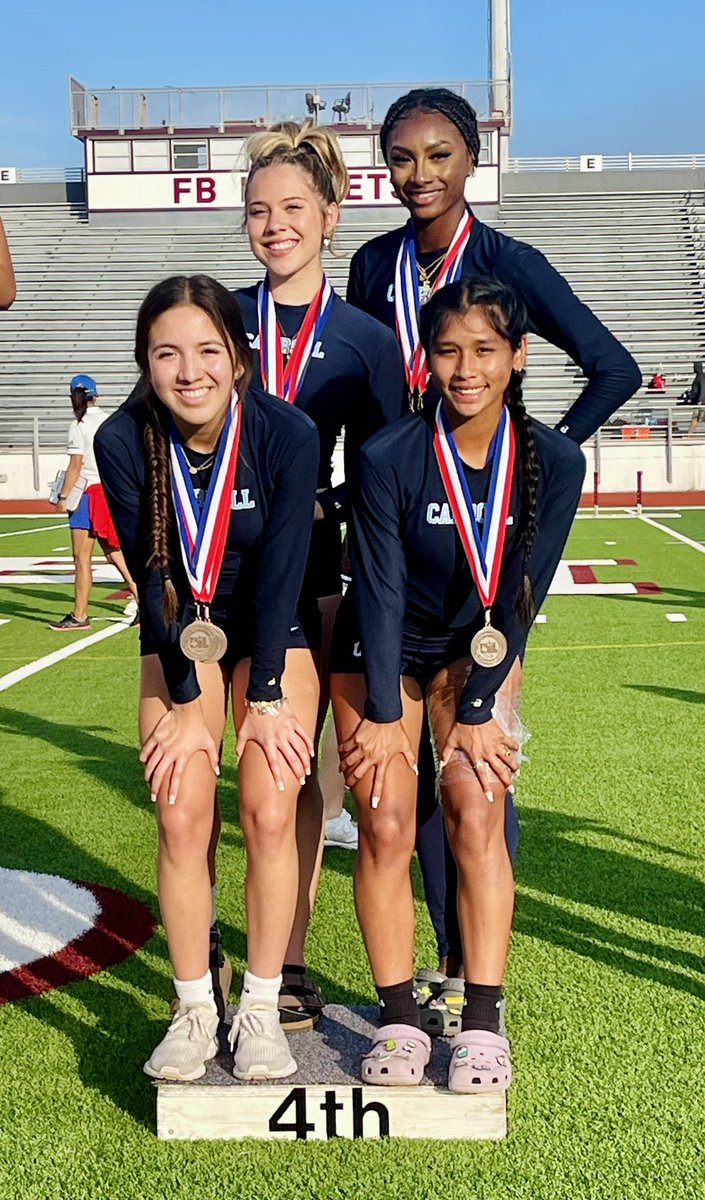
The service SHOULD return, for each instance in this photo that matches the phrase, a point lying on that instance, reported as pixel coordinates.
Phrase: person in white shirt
(82, 496)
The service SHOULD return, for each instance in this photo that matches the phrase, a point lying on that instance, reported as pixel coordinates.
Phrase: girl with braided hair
(460, 515)
(431, 144)
(211, 483)
(344, 370)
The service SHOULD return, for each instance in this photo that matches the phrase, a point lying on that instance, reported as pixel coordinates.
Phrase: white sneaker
(260, 1045)
(341, 832)
(190, 1042)
(130, 609)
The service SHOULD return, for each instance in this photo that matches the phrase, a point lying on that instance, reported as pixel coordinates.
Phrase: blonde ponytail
(315, 149)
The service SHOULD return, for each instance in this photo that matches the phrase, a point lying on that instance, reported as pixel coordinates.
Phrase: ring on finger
(479, 764)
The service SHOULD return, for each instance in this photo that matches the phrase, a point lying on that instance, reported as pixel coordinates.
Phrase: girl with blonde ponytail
(344, 370)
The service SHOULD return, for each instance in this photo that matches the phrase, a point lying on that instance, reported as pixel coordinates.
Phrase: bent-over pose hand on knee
(212, 488)
(460, 516)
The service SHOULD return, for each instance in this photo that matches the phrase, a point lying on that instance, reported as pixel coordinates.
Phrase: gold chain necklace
(428, 274)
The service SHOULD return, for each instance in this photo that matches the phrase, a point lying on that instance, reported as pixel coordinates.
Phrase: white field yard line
(19, 532)
(680, 537)
(49, 660)
(583, 515)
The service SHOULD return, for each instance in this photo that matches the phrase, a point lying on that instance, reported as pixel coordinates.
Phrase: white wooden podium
(325, 1098)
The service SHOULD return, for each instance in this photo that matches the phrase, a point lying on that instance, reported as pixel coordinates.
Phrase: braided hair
(434, 100)
(222, 308)
(505, 312)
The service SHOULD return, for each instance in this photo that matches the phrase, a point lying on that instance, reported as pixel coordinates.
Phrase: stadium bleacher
(638, 259)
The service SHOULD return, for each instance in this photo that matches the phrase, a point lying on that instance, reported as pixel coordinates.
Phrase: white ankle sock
(259, 991)
(195, 991)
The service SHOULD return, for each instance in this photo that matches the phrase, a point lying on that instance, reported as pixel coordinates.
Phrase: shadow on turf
(670, 693)
(29, 612)
(688, 597)
(554, 861)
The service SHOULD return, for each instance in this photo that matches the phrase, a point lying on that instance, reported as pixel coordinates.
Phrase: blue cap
(84, 381)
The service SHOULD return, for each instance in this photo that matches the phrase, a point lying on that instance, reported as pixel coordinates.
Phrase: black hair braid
(160, 509)
(441, 100)
(529, 474)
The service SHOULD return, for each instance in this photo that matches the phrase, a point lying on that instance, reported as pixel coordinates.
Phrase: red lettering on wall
(182, 187)
(205, 189)
(355, 192)
(377, 177)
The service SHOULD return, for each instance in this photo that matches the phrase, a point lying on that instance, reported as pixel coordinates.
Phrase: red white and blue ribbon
(407, 297)
(285, 379)
(484, 551)
(203, 529)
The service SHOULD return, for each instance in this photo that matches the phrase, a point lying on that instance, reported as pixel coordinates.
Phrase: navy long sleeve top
(555, 314)
(354, 381)
(409, 563)
(267, 542)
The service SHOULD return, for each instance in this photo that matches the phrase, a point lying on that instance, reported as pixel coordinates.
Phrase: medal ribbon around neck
(407, 297)
(285, 380)
(203, 530)
(484, 553)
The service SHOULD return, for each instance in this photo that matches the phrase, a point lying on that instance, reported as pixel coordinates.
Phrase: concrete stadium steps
(637, 259)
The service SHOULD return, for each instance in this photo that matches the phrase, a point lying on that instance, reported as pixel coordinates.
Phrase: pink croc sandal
(398, 1056)
(479, 1062)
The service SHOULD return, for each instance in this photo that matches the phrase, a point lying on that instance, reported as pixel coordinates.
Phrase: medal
(286, 380)
(489, 646)
(202, 641)
(484, 552)
(409, 295)
(203, 531)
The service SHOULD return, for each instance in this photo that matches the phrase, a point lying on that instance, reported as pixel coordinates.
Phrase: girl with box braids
(431, 144)
(429, 100)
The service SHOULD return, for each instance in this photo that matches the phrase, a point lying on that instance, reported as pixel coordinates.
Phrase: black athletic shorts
(304, 633)
(424, 651)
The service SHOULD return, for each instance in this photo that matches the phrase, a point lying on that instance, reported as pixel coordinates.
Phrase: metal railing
(612, 162)
(50, 175)
(645, 420)
(172, 108)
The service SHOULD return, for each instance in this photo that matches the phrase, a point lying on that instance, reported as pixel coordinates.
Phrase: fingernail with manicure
(172, 799)
(153, 798)
(217, 770)
(375, 801)
(280, 787)
(490, 797)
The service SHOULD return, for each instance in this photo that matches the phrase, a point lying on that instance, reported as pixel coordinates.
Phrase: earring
(326, 243)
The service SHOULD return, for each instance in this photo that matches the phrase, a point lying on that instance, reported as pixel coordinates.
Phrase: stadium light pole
(500, 73)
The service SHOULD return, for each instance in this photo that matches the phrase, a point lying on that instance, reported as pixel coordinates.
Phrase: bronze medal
(488, 647)
(202, 641)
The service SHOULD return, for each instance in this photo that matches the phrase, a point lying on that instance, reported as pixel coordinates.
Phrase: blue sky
(605, 77)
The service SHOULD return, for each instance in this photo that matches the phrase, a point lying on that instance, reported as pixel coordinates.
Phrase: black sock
(481, 1009)
(397, 1005)
(293, 969)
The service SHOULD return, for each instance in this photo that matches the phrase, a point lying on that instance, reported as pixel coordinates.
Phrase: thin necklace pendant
(201, 466)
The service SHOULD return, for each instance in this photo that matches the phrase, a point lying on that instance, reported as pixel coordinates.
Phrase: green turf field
(605, 982)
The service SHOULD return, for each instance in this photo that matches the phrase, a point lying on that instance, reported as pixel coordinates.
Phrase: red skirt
(101, 520)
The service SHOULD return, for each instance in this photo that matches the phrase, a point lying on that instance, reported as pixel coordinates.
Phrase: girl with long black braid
(431, 144)
(460, 516)
(211, 483)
